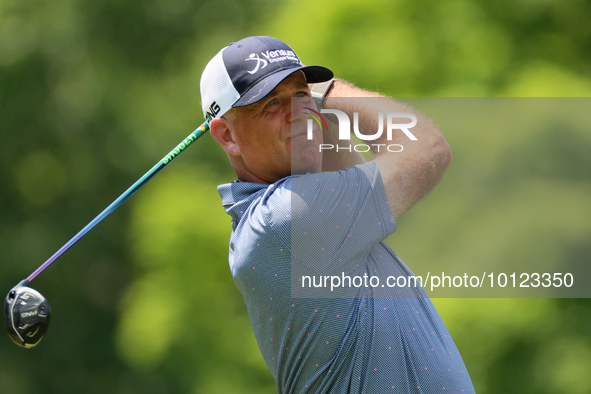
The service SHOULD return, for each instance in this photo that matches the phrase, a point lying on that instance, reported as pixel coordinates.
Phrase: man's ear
(223, 131)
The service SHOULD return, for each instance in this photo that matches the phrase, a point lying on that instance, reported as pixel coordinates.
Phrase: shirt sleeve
(335, 218)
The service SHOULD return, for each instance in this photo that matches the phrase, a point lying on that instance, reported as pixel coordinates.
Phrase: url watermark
(439, 281)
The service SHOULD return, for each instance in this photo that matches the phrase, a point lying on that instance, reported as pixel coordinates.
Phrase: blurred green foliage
(94, 93)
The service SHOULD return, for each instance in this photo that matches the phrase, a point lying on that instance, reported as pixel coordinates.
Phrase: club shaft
(123, 197)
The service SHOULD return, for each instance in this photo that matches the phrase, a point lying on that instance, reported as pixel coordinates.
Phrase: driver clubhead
(27, 315)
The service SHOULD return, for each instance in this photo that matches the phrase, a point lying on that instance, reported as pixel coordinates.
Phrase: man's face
(273, 139)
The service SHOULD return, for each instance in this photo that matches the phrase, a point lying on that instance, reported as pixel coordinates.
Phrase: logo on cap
(256, 58)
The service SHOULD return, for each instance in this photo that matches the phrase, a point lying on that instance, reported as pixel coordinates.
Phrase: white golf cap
(246, 71)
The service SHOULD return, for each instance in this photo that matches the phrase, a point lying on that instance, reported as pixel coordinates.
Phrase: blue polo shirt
(290, 242)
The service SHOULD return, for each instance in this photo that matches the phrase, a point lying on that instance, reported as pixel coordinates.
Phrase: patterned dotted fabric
(356, 339)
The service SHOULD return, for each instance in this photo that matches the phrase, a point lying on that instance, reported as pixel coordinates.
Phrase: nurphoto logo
(392, 120)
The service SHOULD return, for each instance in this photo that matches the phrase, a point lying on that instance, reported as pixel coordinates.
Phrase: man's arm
(407, 175)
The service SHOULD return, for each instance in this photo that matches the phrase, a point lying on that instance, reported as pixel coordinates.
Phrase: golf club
(26, 311)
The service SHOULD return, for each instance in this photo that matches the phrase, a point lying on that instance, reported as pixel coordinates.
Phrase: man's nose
(288, 110)
(295, 109)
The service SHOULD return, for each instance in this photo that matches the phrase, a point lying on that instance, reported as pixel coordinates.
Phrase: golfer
(302, 210)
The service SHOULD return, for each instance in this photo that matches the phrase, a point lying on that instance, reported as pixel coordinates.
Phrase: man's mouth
(297, 135)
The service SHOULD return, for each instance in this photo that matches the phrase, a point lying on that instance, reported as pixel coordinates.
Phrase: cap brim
(314, 74)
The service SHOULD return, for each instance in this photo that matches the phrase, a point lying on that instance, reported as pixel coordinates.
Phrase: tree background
(92, 94)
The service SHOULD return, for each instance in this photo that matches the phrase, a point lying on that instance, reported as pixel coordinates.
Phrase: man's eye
(301, 94)
(272, 102)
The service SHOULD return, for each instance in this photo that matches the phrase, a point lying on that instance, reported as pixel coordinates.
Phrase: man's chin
(304, 165)
(305, 156)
